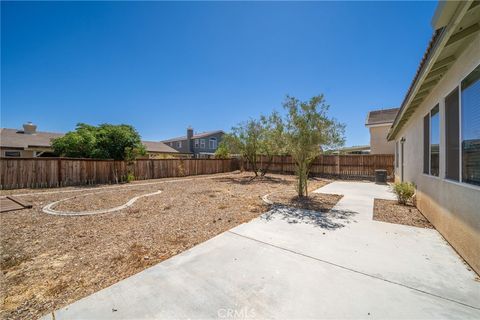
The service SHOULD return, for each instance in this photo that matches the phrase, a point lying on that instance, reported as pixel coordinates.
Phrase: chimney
(29, 128)
(189, 138)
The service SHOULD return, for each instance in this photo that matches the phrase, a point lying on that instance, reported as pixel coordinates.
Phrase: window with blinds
(470, 101)
(426, 144)
(452, 136)
(435, 141)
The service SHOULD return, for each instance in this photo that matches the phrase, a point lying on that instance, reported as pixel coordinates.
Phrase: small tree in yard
(272, 138)
(308, 129)
(246, 140)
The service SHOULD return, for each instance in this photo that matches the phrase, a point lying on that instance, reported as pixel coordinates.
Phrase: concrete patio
(301, 264)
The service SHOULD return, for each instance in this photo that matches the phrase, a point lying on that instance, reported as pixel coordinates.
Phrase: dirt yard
(391, 211)
(48, 261)
(315, 201)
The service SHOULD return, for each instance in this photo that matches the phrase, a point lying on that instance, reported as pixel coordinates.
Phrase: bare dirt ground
(315, 201)
(391, 211)
(49, 261)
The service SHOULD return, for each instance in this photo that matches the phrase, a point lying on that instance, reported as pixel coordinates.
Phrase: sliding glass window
(470, 110)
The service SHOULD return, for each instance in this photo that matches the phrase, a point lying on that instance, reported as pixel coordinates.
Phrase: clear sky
(162, 66)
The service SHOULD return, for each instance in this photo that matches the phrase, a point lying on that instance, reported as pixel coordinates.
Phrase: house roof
(157, 146)
(195, 136)
(13, 138)
(456, 22)
(384, 116)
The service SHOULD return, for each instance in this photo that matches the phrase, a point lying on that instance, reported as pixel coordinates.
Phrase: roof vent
(29, 128)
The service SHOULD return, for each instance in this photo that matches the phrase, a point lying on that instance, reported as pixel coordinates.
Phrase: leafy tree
(80, 143)
(272, 138)
(308, 129)
(245, 140)
(119, 142)
(222, 151)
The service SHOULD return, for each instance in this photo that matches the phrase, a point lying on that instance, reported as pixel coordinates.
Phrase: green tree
(272, 138)
(245, 140)
(308, 130)
(80, 143)
(119, 142)
(222, 151)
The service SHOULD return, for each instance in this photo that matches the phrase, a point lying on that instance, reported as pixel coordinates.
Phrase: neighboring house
(352, 150)
(201, 144)
(379, 122)
(437, 130)
(159, 150)
(26, 143)
(30, 143)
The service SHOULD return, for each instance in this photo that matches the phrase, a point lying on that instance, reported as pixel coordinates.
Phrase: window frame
(213, 139)
(457, 89)
(196, 143)
(202, 143)
(442, 173)
(437, 106)
(179, 144)
(10, 156)
(460, 132)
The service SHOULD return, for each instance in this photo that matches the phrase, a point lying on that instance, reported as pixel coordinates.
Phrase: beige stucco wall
(23, 153)
(378, 140)
(452, 207)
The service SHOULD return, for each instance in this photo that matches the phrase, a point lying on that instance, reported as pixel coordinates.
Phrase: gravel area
(49, 261)
(392, 212)
(315, 201)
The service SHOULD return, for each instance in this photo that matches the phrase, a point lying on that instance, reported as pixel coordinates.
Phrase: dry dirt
(391, 211)
(315, 201)
(49, 261)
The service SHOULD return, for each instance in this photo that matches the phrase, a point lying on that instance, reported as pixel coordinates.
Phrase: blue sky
(162, 66)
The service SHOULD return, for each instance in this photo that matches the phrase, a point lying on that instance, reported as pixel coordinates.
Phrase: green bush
(130, 177)
(404, 191)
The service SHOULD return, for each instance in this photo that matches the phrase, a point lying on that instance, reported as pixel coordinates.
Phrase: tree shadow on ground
(252, 179)
(331, 220)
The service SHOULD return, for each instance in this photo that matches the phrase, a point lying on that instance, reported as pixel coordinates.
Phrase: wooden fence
(54, 172)
(336, 166)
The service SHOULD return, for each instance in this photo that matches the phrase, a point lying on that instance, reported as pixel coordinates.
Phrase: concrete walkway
(301, 264)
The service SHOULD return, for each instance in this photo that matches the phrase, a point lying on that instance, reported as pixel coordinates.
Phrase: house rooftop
(14, 138)
(455, 24)
(157, 146)
(384, 116)
(195, 136)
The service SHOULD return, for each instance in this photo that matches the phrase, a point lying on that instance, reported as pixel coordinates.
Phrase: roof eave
(435, 51)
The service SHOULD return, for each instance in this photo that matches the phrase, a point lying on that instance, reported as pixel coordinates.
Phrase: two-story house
(378, 123)
(199, 145)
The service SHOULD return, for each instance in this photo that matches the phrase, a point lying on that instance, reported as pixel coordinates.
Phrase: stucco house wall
(23, 153)
(452, 207)
(378, 140)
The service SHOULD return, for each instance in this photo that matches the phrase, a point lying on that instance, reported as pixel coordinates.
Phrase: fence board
(339, 166)
(53, 172)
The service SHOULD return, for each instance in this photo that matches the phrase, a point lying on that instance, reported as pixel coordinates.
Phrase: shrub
(130, 177)
(404, 191)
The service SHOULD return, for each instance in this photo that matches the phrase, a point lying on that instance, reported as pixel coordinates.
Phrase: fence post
(337, 160)
(59, 173)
